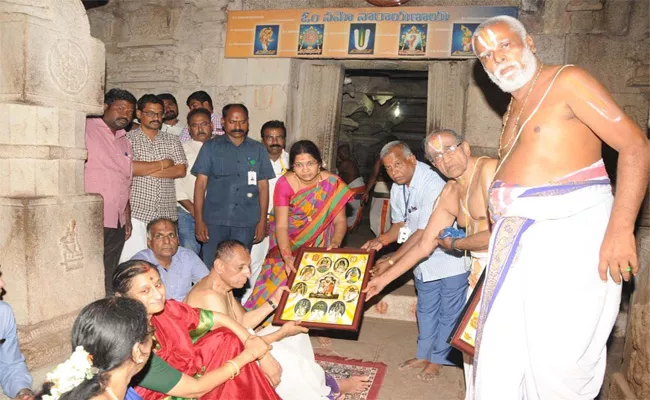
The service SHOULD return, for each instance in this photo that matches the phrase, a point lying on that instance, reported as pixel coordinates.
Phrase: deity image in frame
(361, 40)
(412, 40)
(299, 288)
(337, 309)
(318, 310)
(353, 275)
(310, 39)
(307, 273)
(302, 308)
(341, 265)
(326, 288)
(266, 40)
(324, 265)
(461, 39)
(350, 294)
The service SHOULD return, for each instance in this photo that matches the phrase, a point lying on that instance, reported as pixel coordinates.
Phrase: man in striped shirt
(441, 278)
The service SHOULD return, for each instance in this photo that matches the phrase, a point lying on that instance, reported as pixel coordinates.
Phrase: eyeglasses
(308, 164)
(439, 155)
(170, 236)
(200, 125)
(151, 114)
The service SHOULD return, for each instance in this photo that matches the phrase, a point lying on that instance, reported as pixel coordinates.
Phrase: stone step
(397, 302)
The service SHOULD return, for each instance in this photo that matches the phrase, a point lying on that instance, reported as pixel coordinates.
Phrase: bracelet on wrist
(234, 364)
(453, 244)
(272, 304)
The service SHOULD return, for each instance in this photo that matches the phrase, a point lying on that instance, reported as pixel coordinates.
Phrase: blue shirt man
(441, 278)
(15, 379)
(231, 194)
(179, 267)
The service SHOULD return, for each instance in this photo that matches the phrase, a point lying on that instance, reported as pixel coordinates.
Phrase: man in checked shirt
(158, 159)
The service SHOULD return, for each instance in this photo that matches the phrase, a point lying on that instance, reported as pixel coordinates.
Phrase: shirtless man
(464, 200)
(548, 305)
(349, 171)
(302, 377)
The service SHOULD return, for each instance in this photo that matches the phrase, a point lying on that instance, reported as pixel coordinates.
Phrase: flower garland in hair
(71, 373)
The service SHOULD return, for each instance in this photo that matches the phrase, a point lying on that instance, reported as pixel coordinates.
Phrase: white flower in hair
(71, 373)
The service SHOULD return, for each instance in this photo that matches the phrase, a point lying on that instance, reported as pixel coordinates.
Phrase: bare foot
(429, 372)
(325, 341)
(412, 364)
(354, 384)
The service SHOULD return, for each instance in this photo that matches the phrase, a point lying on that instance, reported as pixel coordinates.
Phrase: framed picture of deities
(463, 336)
(326, 289)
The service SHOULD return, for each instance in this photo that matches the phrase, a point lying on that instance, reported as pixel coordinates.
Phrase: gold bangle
(236, 367)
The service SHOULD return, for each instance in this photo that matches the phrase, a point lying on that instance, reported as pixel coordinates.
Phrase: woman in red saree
(309, 210)
(198, 343)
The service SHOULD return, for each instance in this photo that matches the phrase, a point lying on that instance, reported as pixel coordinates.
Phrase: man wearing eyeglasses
(200, 128)
(463, 200)
(231, 193)
(158, 159)
(179, 267)
(440, 276)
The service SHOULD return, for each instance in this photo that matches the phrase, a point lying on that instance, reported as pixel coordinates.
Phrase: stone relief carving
(68, 66)
(71, 254)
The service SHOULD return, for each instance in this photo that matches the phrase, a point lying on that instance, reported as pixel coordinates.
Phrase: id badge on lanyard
(405, 231)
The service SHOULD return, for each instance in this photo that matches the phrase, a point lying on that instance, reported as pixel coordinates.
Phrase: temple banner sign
(396, 32)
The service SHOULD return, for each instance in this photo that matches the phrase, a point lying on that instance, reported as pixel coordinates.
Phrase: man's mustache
(238, 130)
(275, 145)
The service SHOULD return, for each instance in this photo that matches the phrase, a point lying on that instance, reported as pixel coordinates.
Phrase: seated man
(302, 377)
(179, 267)
(15, 380)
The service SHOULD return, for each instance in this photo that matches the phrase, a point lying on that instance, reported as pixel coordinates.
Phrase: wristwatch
(272, 304)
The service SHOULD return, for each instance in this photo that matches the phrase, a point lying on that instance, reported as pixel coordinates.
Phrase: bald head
(483, 34)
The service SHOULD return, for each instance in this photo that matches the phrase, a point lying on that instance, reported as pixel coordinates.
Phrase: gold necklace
(501, 148)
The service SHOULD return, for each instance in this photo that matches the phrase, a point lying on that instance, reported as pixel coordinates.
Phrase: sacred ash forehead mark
(436, 143)
(488, 39)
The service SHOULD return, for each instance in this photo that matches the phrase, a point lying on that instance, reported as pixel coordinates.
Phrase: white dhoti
(258, 254)
(380, 209)
(545, 313)
(302, 377)
(479, 262)
(354, 209)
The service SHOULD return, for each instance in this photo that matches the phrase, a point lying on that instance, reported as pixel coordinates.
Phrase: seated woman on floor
(196, 353)
(112, 343)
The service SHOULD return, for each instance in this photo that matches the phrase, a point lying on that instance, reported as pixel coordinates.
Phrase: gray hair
(459, 136)
(395, 144)
(151, 224)
(514, 24)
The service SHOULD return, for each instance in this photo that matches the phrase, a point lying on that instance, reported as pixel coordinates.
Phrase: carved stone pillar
(446, 98)
(316, 107)
(51, 241)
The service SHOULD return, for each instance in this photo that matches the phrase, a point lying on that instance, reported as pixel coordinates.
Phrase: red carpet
(340, 367)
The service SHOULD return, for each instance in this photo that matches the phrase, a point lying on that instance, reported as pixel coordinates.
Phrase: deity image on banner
(266, 40)
(362, 39)
(310, 39)
(461, 40)
(326, 288)
(412, 40)
(350, 294)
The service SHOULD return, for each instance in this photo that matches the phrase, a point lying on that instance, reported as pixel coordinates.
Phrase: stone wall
(177, 46)
(51, 76)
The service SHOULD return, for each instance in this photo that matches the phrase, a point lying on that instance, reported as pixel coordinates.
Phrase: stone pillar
(51, 241)
(448, 81)
(317, 107)
(633, 381)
